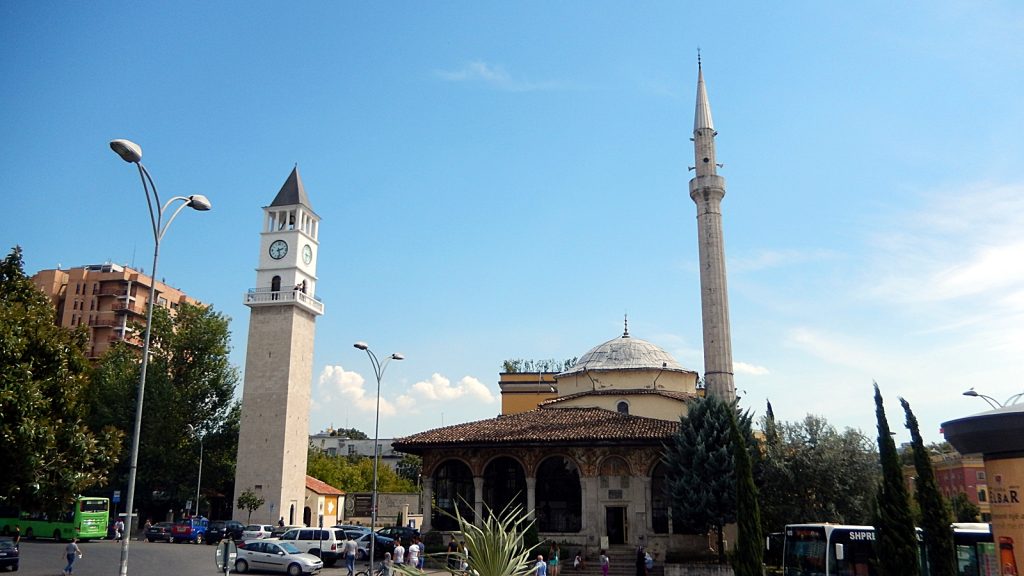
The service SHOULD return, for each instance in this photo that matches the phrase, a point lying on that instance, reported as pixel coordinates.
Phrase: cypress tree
(935, 520)
(749, 558)
(896, 541)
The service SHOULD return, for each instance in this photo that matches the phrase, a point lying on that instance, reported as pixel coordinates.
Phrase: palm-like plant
(495, 547)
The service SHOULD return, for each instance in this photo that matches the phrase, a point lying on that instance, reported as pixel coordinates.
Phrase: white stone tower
(274, 428)
(707, 189)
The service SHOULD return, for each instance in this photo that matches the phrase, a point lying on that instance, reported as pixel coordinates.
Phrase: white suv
(326, 543)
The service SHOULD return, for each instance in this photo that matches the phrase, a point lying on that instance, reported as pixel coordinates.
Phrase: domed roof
(625, 353)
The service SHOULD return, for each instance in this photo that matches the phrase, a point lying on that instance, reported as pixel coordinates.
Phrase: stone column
(478, 499)
(531, 497)
(427, 508)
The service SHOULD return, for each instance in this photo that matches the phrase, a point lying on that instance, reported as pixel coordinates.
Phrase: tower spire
(707, 189)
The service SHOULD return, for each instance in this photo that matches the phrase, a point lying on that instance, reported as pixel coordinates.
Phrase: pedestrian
(118, 529)
(71, 551)
(453, 550)
(350, 554)
(399, 552)
(17, 536)
(149, 524)
(553, 559)
(465, 556)
(578, 563)
(280, 522)
(604, 563)
(388, 563)
(641, 559)
(541, 567)
(414, 552)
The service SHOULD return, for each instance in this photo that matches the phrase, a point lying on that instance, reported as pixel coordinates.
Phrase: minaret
(707, 189)
(274, 428)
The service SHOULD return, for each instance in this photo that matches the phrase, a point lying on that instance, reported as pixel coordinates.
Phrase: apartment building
(108, 298)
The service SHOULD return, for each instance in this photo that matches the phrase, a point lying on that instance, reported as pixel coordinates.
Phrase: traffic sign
(227, 552)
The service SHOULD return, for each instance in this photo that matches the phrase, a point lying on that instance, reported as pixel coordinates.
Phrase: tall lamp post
(992, 401)
(132, 153)
(378, 371)
(199, 476)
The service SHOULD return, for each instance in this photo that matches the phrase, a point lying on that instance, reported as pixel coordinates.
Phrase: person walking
(399, 552)
(350, 554)
(414, 552)
(604, 563)
(553, 559)
(541, 567)
(71, 551)
(453, 550)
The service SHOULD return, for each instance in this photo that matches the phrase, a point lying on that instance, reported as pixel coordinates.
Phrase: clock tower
(274, 428)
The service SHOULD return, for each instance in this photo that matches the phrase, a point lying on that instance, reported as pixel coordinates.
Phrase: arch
(307, 516)
(659, 499)
(275, 287)
(622, 407)
(453, 486)
(559, 497)
(614, 466)
(504, 484)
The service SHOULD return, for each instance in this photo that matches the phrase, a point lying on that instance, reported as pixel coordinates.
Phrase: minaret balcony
(268, 297)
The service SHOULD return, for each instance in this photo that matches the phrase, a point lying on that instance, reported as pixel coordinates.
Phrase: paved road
(103, 557)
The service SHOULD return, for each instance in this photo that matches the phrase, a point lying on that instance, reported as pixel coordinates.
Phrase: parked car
(278, 530)
(384, 544)
(327, 543)
(161, 531)
(8, 554)
(190, 530)
(275, 556)
(256, 531)
(220, 529)
(352, 528)
(403, 532)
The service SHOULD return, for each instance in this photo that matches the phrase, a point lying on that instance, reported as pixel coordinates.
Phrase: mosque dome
(625, 353)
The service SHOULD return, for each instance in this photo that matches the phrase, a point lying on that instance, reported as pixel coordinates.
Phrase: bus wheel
(30, 534)
(6, 531)
(56, 535)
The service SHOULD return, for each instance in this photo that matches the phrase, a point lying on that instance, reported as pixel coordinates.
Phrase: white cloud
(749, 369)
(440, 388)
(768, 259)
(492, 75)
(338, 384)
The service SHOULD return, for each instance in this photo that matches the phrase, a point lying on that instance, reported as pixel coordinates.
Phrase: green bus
(86, 521)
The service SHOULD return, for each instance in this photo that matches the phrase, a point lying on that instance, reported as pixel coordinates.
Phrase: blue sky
(503, 180)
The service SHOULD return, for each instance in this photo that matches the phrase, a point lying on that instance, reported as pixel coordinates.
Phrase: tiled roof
(681, 396)
(292, 192)
(321, 487)
(546, 425)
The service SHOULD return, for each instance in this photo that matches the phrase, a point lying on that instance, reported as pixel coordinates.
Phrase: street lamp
(378, 371)
(199, 477)
(992, 401)
(132, 153)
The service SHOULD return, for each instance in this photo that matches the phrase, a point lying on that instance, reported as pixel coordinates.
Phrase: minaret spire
(707, 189)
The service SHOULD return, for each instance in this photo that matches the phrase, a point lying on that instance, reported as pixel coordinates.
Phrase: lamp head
(128, 151)
(971, 392)
(362, 345)
(397, 356)
(199, 202)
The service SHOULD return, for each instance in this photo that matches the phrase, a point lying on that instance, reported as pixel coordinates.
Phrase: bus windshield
(804, 551)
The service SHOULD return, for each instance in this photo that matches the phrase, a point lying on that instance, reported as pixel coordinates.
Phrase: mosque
(581, 449)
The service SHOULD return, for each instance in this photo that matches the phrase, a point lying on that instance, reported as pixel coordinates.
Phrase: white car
(275, 557)
(253, 531)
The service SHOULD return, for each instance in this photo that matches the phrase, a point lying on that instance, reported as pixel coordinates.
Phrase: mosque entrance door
(615, 521)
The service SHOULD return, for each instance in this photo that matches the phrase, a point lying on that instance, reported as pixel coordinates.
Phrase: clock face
(307, 254)
(278, 249)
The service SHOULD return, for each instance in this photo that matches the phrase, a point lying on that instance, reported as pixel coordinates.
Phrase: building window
(622, 407)
(453, 486)
(980, 475)
(559, 497)
(982, 495)
(504, 484)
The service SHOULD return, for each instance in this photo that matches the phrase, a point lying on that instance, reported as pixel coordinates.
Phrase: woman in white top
(399, 552)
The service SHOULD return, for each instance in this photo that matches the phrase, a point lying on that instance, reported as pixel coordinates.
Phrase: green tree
(749, 558)
(896, 543)
(813, 473)
(355, 473)
(50, 455)
(410, 467)
(701, 471)
(190, 385)
(963, 509)
(935, 519)
(250, 502)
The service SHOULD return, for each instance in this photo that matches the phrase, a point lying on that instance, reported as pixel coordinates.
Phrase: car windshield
(252, 528)
(6, 545)
(289, 547)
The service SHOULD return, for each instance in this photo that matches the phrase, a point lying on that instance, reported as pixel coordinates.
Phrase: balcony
(267, 297)
(128, 307)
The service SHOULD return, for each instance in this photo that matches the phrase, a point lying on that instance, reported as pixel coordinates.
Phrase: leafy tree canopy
(355, 473)
(49, 453)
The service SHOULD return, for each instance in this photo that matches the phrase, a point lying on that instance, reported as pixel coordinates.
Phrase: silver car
(275, 556)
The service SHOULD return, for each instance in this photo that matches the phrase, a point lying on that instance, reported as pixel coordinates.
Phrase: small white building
(335, 445)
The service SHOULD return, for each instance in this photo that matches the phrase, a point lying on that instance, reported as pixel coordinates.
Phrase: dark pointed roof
(292, 192)
(587, 426)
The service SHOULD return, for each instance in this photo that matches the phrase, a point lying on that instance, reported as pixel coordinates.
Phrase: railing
(126, 307)
(257, 296)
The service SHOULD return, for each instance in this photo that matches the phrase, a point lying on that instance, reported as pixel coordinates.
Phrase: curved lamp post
(199, 476)
(995, 404)
(378, 371)
(132, 153)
